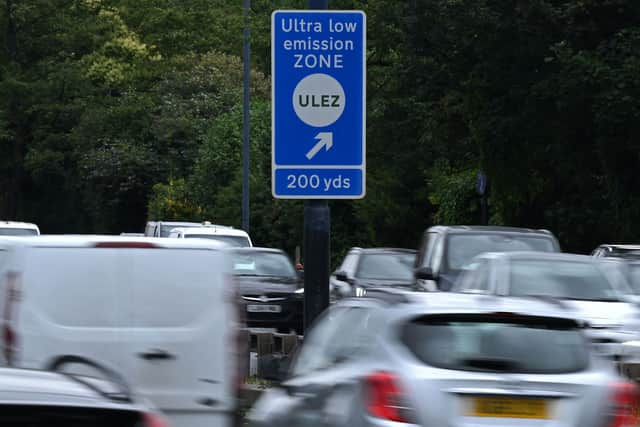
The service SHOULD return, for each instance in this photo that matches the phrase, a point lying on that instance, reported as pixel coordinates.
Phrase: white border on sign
(363, 167)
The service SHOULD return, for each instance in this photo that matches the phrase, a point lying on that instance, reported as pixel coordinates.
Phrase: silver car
(585, 287)
(58, 398)
(440, 359)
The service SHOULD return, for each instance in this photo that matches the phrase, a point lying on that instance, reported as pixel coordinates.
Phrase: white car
(585, 287)
(161, 312)
(14, 228)
(220, 233)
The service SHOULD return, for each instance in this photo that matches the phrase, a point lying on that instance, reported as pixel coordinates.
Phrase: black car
(270, 288)
(363, 269)
(446, 250)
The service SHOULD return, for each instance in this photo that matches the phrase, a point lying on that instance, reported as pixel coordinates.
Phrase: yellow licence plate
(503, 407)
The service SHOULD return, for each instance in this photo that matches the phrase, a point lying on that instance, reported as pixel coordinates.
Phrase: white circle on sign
(319, 100)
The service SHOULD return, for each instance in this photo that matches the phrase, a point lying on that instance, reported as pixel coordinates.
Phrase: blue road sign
(318, 104)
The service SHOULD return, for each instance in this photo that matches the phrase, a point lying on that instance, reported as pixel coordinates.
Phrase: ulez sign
(318, 69)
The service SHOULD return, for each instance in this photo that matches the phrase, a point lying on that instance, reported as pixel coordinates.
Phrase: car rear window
(490, 344)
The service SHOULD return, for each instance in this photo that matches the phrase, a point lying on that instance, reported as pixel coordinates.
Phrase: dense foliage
(113, 112)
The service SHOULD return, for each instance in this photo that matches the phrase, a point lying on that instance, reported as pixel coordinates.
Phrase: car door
(325, 382)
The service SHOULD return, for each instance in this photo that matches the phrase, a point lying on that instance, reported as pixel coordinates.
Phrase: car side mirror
(342, 276)
(425, 273)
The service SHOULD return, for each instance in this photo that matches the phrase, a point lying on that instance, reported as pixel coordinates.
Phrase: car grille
(60, 416)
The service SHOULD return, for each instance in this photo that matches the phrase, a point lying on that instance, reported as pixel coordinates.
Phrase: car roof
(433, 303)
(620, 246)
(538, 255)
(17, 224)
(486, 229)
(212, 230)
(72, 241)
(179, 223)
(259, 249)
(383, 250)
(53, 388)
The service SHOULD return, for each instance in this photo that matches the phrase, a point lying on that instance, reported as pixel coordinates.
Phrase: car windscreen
(560, 279)
(236, 241)
(386, 266)
(18, 232)
(462, 248)
(259, 263)
(483, 343)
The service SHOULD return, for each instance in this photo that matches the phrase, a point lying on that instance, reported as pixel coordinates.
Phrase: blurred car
(160, 310)
(43, 399)
(447, 360)
(14, 228)
(446, 250)
(631, 252)
(365, 268)
(220, 233)
(271, 290)
(583, 286)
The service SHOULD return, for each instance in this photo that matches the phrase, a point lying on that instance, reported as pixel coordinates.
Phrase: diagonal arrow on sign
(325, 140)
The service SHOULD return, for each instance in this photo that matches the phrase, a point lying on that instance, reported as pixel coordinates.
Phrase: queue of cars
(481, 326)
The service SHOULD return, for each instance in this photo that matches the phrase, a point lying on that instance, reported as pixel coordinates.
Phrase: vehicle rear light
(625, 399)
(151, 419)
(9, 336)
(143, 245)
(385, 398)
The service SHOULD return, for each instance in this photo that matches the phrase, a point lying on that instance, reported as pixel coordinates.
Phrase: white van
(160, 311)
(162, 228)
(15, 228)
(220, 233)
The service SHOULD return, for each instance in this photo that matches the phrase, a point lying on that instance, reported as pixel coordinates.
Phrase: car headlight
(299, 291)
(360, 292)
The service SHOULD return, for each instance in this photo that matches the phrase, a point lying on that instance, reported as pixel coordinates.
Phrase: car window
(5, 231)
(505, 345)
(426, 249)
(386, 266)
(329, 342)
(435, 262)
(349, 263)
(462, 248)
(561, 279)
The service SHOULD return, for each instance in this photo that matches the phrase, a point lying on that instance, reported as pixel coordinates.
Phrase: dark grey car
(446, 359)
(446, 250)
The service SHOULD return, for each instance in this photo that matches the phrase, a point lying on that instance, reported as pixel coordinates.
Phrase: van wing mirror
(425, 273)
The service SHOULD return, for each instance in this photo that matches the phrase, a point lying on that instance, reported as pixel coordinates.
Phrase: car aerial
(365, 268)
(444, 359)
(57, 398)
(160, 311)
(14, 228)
(445, 250)
(270, 289)
(617, 251)
(220, 233)
(583, 286)
(163, 228)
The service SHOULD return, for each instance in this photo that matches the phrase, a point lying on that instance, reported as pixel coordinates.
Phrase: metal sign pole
(317, 235)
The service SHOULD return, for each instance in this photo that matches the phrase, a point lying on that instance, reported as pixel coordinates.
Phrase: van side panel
(71, 304)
